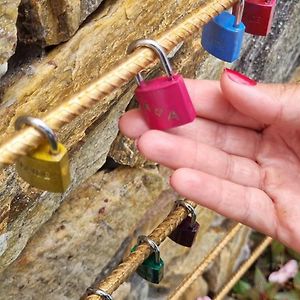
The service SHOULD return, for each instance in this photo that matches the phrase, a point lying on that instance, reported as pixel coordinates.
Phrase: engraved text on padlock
(45, 170)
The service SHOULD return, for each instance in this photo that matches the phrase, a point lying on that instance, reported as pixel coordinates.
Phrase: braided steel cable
(244, 268)
(136, 258)
(199, 270)
(131, 263)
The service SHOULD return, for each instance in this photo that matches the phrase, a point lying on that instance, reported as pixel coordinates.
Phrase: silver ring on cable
(152, 244)
(239, 12)
(155, 46)
(189, 208)
(42, 127)
(100, 293)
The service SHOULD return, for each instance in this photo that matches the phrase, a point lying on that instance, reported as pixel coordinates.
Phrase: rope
(131, 263)
(199, 270)
(23, 142)
(244, 268)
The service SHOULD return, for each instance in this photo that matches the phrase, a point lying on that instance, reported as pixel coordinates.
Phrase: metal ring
(158, 50)
(189, 208)
(100, 293)
(152, 244)
(42, 127)
(239, 12)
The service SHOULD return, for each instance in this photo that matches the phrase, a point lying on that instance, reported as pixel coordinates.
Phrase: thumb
(267, 104)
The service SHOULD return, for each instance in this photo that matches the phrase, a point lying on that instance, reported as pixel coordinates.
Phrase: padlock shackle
(152, 244)
(239, 12)
(42, 127)
(158, 49)
(189, 208)
(98, 292)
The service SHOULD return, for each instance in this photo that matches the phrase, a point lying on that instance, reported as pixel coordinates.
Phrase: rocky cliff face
(52, 22)
(54, 246)
(8, 32)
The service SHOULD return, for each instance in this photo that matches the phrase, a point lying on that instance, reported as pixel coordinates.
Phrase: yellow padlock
(47, 167)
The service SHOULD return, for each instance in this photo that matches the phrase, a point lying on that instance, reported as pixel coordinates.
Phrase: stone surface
(3, 69)
(63, 258)
(226, 264)
(59, 75)
(8, 30)
(96, 227)
(88, 231)
(274, 58)
(296, 76)
(52, 22)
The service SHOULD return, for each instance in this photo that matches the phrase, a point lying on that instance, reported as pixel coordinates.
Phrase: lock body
(222, 39)
(185, 233)
(44, 170)
(150, 270)
(258, 16)
(165, 102)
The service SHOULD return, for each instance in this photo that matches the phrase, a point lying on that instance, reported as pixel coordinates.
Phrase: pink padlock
(164, 101)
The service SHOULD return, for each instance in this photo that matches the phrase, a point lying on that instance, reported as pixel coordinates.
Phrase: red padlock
(258, 16)
(164, 101)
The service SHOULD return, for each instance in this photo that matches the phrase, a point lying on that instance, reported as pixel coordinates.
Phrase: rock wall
(273, 58)
(54, 246)
(52, 22)
(8, 32)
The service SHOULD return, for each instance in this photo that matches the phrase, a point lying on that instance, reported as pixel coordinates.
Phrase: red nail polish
(239, 78)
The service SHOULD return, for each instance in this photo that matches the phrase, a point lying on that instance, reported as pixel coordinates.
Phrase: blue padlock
(223, 36)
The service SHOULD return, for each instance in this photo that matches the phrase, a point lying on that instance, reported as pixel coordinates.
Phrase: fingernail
(239, 78)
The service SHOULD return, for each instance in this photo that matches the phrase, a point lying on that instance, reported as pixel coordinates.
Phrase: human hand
(240, 157)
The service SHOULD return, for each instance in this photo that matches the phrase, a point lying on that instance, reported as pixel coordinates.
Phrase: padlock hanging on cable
(164, 101)
(223, 36)
(100, 293)
(186, 232)
(258, 16)
(152, 269)
(47, 167)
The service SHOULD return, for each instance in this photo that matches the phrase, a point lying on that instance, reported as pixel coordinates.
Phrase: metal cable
(131, 263)
(243, 269)
(198, 271)
(23, 142)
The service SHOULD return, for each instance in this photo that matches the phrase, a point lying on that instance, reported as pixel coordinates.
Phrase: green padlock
(100, 293)
(152, 269)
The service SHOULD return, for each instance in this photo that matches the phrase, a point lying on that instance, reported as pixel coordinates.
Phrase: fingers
(132, 124)
(248, 106)
(209, 103)
(178, 152)
(247, 98)
(268, 104)
(247, 205)
(234, 140)
(231, 139)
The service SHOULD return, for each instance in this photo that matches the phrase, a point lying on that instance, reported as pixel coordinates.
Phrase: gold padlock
(47, 167)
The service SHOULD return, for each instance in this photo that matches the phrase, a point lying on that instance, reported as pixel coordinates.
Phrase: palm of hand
(228, 161)
(280, 170)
